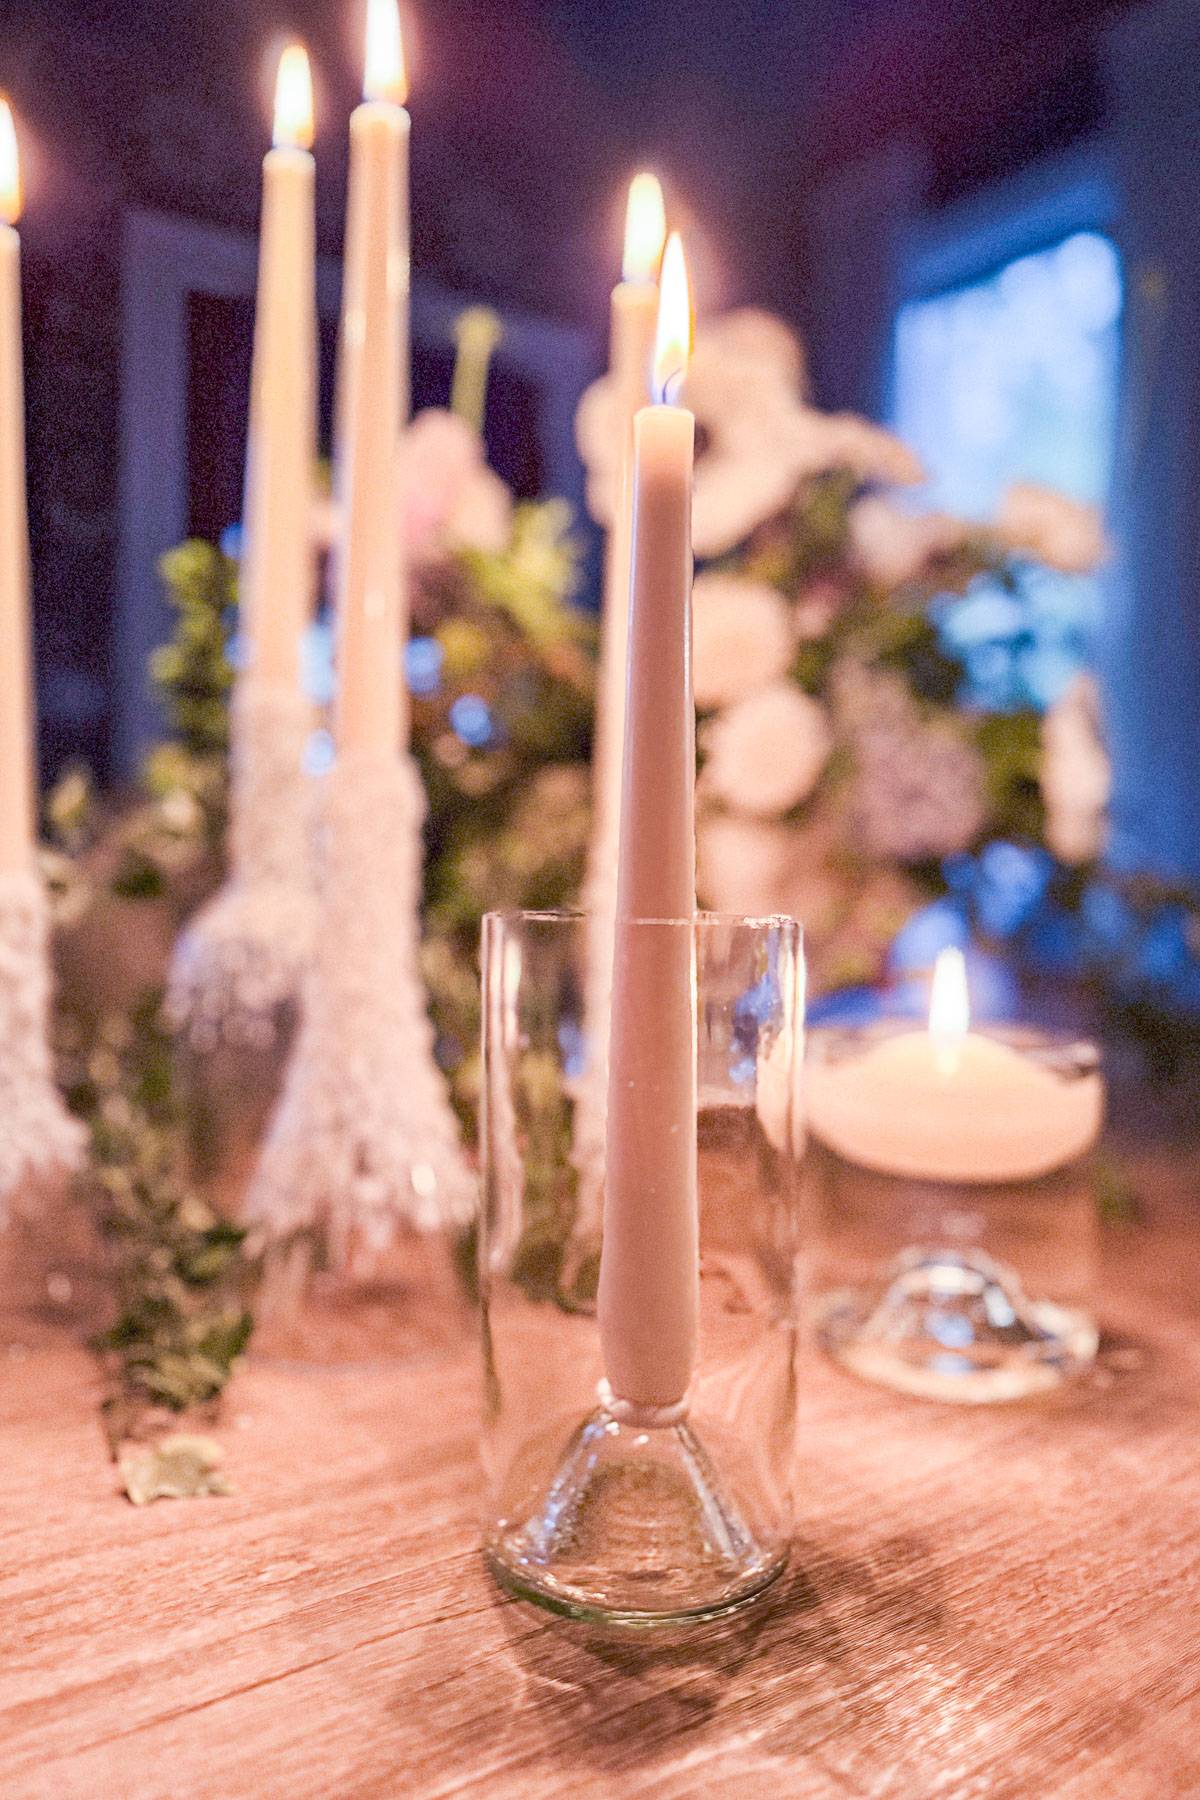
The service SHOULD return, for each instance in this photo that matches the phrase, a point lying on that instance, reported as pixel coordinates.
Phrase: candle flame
(949, 1007)
(673, 342)
(645, 229)
(294, 99)
(10, 166)
(386, 77)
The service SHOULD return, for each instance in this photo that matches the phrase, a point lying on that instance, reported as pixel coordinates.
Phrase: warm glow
(645, 229)
(386, 78)
(10, 166)
(294, 99)
(949, 1006)
(673, 342)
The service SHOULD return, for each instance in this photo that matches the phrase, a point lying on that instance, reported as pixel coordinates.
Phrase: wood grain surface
(1000, 1603)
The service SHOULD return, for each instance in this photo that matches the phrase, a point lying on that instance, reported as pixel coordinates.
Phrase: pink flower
(449, 497)
(1062, 533)
(892, 547)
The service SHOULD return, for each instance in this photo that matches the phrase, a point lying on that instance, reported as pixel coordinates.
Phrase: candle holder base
(955, 1325)
(634, 1528)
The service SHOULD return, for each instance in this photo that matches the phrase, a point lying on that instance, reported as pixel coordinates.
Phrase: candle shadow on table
(831, 1625)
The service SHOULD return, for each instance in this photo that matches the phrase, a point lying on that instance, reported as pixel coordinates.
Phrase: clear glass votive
(595, 1507)
(956, 1230)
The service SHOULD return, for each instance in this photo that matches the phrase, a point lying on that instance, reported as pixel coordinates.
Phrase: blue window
(1013, 376)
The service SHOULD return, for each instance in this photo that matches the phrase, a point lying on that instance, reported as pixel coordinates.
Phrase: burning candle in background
(634, 321)
(17, 803)
(277, 578)
(649, 1274)
(373, 399)
(950, 1104)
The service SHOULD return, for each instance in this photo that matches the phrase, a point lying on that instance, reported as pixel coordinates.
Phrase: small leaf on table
(177, 1468)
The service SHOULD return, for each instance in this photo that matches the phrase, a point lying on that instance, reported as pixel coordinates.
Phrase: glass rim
(575, 915)
(1049, 1046)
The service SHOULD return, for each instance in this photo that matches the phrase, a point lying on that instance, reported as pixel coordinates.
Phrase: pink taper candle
(277, 577)
(17, 808)
(649, 1270)
(373, 401)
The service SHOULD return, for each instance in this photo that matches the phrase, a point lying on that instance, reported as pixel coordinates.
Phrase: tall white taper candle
(278, 565)
(649, 1270)
(373, 400)
(17, 807)
(633, 322)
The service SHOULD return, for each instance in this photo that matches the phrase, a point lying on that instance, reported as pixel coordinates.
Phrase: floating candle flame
(10, 166)
(386, 77)
(949, 1008)
(673, 343)
(294, 100)
(645, 229)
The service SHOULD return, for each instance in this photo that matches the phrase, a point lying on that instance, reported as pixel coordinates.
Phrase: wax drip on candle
(645, 229)
(949, 1009)
(673, 341)
(10, 166)
(386, 77)
(293, 101)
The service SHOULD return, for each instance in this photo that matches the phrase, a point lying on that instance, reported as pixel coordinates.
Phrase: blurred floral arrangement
(855, 765)
(854, 770)
(500, 667)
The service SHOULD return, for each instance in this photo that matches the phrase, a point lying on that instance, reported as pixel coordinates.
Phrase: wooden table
(1002, 1602)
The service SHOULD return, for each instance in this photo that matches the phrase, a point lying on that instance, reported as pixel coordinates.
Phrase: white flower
(744, 385)
(1076, 777)
(759, 439)
(742, 638)
(765, 754)
(822, 442)
(892, 547)
(759, 341)
(1062, 533)
(598, 438)
(743, 863)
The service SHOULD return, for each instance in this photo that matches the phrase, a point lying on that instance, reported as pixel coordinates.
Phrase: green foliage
(180, 1276)
(192, 673)
(1011, 745)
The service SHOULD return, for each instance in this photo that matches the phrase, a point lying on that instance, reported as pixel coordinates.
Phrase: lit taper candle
(17, 808)
(649, 1270)
(373, 399)
(278, 568)
(633, 324)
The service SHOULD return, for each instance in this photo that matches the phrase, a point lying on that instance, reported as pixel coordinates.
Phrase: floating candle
(649, 1271)
(950, 1104)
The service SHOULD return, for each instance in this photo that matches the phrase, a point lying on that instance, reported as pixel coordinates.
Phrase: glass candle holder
(597, 1507)
(957, 1233)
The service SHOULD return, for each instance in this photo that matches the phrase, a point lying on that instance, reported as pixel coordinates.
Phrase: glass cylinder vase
(599, 1508)
(956, 1235)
